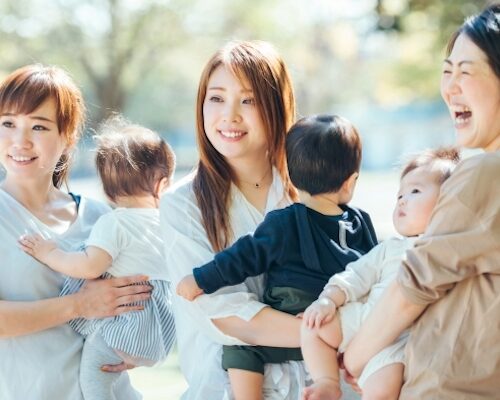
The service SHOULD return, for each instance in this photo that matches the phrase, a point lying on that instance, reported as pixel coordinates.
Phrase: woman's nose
(231, 113)
(21, 137)
(450, 85)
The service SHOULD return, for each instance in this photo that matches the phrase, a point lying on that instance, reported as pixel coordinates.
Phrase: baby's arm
(323, 310)
(89, 263)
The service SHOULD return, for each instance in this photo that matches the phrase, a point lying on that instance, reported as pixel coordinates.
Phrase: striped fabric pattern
(148, 334)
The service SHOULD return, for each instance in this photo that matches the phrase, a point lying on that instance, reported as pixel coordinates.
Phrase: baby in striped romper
(135, 165)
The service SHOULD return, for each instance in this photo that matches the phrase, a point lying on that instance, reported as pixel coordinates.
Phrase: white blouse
(199, 340)
(43, 365)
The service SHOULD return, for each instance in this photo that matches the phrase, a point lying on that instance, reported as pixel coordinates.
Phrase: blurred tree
(116, 43)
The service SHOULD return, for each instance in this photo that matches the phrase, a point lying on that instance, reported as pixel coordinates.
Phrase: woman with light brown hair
(244, 108)
(41, 118)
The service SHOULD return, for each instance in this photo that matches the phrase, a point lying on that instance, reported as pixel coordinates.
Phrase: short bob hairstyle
(25, 89)
(322, 152)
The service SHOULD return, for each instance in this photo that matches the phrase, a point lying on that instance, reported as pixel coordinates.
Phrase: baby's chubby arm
(89, 263)
(188, 288)
(323, 310)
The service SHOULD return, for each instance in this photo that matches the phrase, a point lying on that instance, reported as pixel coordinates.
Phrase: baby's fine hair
(442, 161)
(131, 160)
(322, 152)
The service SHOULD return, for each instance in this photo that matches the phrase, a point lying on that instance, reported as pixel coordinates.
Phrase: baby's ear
(161, 186)
(350, 183)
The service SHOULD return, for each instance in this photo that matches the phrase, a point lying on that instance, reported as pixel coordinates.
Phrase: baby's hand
(36, 246)
(319, 312)
(188, 288)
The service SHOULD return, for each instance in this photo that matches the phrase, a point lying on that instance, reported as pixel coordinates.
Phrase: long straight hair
(259, 64)
(25, 89)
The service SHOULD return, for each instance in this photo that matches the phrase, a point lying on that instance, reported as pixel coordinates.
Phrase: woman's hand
(100, 298)
(319, 312)
(188, 288)
(117, 367)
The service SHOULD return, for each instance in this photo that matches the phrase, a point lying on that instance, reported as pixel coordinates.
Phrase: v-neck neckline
(40, 222)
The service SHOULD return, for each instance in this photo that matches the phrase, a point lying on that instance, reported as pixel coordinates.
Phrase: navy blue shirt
(297, 247)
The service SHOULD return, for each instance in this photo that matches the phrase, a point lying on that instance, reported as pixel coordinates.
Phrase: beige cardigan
(454, 348)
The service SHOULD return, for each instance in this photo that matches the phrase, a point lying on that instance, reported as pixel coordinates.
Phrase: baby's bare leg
(246, 385)
(384, 384)
(319, 348)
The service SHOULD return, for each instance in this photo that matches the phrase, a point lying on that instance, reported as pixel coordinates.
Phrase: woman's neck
(34, 195)
(257, 173)
(254, 179)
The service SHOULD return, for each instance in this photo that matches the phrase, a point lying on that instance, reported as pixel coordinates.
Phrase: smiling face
(471, 91)
(231, 119)
(31, 144)
(417, 196)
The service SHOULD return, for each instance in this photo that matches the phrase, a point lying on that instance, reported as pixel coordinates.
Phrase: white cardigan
(199, 340)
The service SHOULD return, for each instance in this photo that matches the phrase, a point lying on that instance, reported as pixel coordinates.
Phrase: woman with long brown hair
(244, 108)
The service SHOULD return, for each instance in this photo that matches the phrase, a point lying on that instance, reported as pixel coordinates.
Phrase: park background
(376, 62)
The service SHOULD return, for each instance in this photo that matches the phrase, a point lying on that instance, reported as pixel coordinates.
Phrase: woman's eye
(39, 128)
(215, 99)
(7, 124)
(446, 72)
(249, 101)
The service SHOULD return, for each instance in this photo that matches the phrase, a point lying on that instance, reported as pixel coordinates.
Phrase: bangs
(26, 96)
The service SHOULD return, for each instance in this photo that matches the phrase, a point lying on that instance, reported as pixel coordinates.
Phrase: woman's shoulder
(92, 206)
(474, 175)
(179, 201)
(182, 189)
(474, 185)
(480, 164)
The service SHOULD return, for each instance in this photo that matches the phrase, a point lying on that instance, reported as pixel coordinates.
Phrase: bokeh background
(376, 62)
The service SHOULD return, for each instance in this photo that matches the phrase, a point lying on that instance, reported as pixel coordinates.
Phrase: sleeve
(360, 275)
(107, 235)
(463, 237)
(251, 255)
(186, 247)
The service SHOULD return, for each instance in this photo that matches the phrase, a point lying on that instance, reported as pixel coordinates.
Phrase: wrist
(327, 301)
(75, 309)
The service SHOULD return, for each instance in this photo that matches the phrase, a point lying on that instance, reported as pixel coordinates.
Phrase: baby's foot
(323, 389)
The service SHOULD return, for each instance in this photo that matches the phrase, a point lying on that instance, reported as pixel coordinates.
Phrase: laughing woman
(451, 279)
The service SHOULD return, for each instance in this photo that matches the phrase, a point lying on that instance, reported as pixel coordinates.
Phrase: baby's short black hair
(322, 152)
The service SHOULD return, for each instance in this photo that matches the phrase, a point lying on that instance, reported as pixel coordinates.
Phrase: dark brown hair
(259, 64)
(322, 152)
(442, 160)
(131, 160)
(484, 30)
(25, 89)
